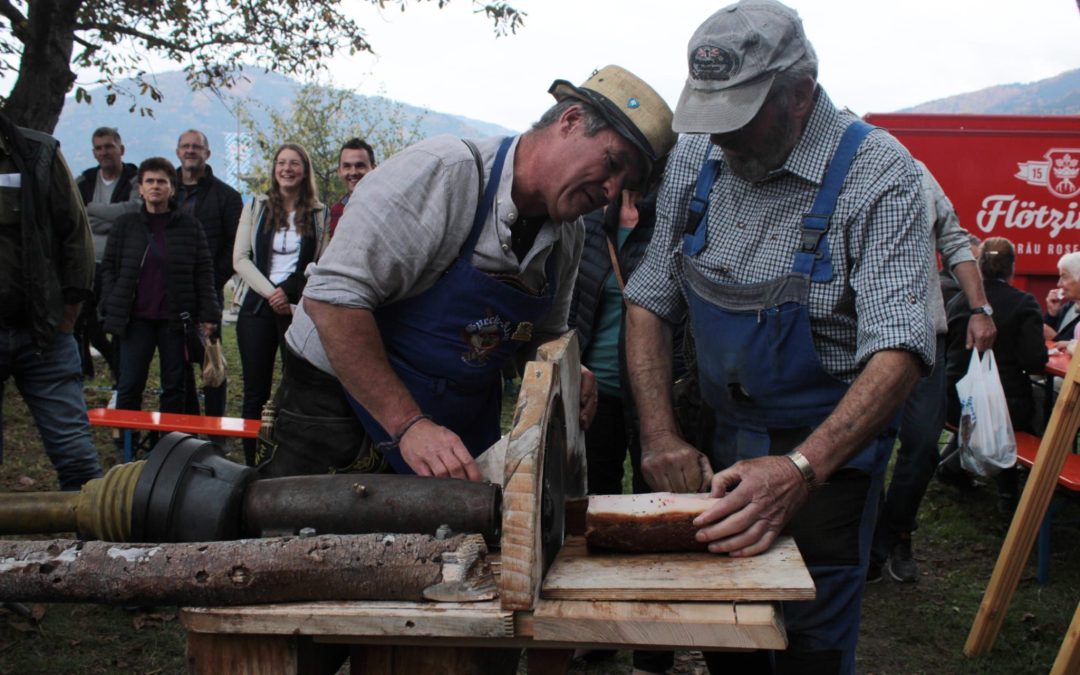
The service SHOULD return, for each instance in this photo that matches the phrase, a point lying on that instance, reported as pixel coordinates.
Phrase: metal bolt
(360, 490)
(306, 532)
(443, 532)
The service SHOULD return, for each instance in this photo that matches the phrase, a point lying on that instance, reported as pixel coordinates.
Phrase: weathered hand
(590, 398)
(757, 499)
(1054, 300)
(433, 450)
(981, 332)
(670, 464)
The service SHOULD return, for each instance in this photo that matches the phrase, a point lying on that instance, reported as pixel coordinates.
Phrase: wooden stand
(590, 610)
(1056, 444)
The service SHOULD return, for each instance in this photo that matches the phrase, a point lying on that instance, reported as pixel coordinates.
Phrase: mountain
(183, 109)
(1058, 95)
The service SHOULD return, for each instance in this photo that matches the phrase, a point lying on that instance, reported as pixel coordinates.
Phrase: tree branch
(19, 24)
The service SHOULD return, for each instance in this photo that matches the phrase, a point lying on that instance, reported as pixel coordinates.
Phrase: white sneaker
(112, 400)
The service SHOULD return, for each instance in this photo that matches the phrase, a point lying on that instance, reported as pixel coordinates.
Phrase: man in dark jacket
(107, 191)
(217, 207)
(46, 272)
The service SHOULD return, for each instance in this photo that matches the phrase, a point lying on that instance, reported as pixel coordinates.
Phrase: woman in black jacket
(1019, 348)
(157, 284)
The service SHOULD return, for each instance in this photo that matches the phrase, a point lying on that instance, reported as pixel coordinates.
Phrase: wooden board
(690, 625)
(521, 569)
(566, 354)
(578, 574)
(376, 618)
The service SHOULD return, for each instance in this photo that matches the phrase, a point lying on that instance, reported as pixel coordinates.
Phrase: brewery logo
(1058, 173)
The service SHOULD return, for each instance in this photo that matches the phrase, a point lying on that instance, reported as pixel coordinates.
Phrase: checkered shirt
(877, 236)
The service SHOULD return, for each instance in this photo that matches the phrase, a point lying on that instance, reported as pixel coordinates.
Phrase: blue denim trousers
(916, 458)
(50, 382)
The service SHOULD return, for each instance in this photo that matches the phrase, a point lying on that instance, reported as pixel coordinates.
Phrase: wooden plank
(566, 353)
(1056, 444)
(158, 421)
(1068, 658)
(519, 580)
(241, 655)
(579, 574)
(367, 618)
(690, 625)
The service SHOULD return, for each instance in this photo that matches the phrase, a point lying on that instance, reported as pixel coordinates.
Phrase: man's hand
(433, 450)
(757, 499)
(670, 464)
(208, 329)
(279, 302)
(981, 332)
(590, 398)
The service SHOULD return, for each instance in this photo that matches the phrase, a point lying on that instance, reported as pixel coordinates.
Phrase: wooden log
(248, 571)
(565, 353)
(1056, 444)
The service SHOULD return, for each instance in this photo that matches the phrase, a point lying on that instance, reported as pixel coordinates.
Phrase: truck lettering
(1012, 213)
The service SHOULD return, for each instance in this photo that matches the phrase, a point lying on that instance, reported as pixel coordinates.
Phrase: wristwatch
(985, 309)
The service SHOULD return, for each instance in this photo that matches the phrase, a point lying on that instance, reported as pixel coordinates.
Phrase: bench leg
(129, 451)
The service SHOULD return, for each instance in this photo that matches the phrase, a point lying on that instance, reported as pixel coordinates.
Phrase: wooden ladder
(1057, 444)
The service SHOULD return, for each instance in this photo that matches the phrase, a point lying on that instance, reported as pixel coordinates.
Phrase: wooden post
(566, 355)
(249, 571)
(1056, 444)
(1068, 659)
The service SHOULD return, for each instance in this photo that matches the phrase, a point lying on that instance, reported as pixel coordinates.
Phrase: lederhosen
(761, 374)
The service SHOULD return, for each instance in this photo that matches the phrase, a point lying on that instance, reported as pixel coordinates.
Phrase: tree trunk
(45, 75)
(248, 571)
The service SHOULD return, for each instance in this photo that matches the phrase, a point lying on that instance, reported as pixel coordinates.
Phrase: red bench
(1027, 447)
(129, 420)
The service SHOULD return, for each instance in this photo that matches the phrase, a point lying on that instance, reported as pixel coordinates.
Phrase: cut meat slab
(653, 522)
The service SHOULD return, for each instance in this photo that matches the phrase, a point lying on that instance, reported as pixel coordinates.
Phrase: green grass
(907, 628)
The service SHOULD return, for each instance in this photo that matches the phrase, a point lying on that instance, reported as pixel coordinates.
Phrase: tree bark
(248, 571)
(45, 75)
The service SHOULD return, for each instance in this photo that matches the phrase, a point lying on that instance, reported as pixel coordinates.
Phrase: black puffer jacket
(189, 279)
(217, 208)
(596, 261)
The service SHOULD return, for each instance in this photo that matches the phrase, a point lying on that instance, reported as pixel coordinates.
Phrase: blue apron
(760, 372)
(448, 344)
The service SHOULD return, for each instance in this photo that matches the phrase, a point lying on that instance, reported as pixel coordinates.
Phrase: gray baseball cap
(734, 57)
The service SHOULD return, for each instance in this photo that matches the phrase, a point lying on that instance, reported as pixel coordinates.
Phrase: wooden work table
(672, 600)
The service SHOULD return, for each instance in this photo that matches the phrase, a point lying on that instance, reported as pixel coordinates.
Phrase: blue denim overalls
(761, 374)
(449, 343)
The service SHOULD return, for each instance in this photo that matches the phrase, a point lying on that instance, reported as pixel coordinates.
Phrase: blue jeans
(916, 459)
(137, 347)
(50, 382)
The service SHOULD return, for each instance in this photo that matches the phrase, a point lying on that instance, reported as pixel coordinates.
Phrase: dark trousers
(260, 335)
(90, 332)
(137, 346)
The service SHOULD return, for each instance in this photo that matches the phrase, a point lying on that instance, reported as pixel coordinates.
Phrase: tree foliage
(45, 41)
(321, 118)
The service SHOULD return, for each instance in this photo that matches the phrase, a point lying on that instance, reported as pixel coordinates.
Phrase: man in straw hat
(450, 258)
(796, 238)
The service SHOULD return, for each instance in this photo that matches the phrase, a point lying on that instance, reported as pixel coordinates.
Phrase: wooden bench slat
(157, 421)
(1027, 447)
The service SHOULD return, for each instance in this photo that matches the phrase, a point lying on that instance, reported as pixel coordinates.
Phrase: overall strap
(484, 205)
(696, 236)
(814, 258)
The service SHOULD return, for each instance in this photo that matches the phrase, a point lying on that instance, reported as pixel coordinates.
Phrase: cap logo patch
(633, 103)
(714, 63)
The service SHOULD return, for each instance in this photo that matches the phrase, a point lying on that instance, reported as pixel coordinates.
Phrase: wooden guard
(519, 582)
(566, 353)
(1056, 444)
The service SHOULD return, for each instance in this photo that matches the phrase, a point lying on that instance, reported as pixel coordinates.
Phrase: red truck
(1012, 176)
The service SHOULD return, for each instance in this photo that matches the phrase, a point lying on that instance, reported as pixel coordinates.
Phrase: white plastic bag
(987, 444)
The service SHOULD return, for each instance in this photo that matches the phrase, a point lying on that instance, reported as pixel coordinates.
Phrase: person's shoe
(959, 479)
(873, 572)
(1006, 503)
(901, 565)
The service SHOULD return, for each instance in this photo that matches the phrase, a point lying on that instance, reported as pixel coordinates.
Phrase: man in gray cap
(796, 239)
(451, 257)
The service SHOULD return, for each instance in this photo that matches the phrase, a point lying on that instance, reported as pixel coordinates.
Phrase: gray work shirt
(878, 240)
(947, 238)
(405, 224)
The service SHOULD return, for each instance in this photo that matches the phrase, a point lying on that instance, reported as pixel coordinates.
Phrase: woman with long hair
(279, 234)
